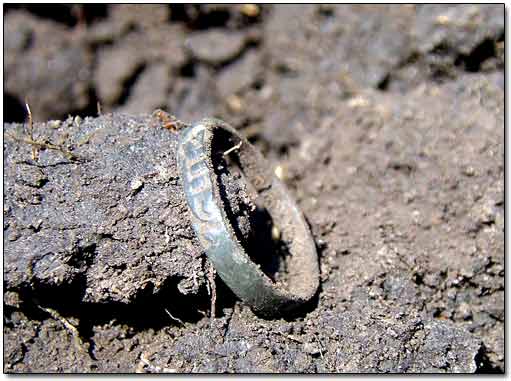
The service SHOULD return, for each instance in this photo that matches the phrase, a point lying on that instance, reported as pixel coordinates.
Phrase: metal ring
(216, 234)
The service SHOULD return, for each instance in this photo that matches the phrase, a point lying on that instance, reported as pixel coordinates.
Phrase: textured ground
(387, 124)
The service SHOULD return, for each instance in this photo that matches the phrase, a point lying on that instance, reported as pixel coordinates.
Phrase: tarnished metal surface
(216, 234)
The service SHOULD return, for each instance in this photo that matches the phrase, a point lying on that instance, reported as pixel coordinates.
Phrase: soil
(386, 123)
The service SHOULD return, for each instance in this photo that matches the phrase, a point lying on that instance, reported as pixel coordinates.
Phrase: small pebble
(234, 103)
(250, 10)
(469, 171)
(136, 185)
(311, 348)
(54, 124)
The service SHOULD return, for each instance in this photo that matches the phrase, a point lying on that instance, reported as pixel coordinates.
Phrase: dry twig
(39, 144)
(30, 132)
(79, 344)
(211, 273)
(144, 362)
(45, 145)
(174, 318)
(168, 121)
(234, 148)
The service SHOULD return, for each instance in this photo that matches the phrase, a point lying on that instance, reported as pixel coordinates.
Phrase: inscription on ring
(200, 189)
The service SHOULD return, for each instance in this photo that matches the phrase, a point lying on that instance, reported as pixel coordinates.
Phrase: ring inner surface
(261, 213)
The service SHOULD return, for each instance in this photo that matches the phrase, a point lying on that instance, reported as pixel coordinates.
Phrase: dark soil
(386, 122)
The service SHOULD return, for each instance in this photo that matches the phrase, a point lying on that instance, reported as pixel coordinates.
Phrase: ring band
(197, 146)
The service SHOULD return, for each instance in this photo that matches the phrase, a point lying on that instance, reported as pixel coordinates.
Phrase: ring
(198, 147)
